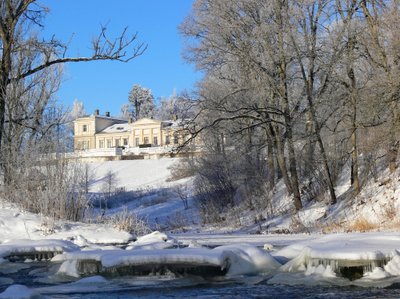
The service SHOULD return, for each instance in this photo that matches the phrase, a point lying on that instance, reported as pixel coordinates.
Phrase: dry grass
(130, 222)
(332, 227)
(362, 225)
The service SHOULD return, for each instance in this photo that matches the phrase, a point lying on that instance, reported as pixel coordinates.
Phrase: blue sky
(105, 85)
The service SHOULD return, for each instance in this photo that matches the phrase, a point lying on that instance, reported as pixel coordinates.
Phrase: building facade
(103, 131)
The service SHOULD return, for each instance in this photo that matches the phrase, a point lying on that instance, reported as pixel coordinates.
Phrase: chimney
(96, 112)
(107, 114)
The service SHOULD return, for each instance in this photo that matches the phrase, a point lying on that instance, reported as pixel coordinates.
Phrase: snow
(154, 240)
(16, 225)
(95, 234)
(246, 259)
(117, 128)
(306, 258)
(259, 240)
(393, 267)
(134, 174)
(350, 246)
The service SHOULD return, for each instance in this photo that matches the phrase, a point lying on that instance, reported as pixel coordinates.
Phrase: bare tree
(109, 186)
(381, 42)
(288, 79)
(248, 60)
(25, 56)
(182, 191)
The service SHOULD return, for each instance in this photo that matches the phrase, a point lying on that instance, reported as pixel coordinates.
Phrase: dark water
(39, 276)
(239, 290)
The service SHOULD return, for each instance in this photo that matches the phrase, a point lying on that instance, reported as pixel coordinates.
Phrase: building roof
(119, 120)
(110, 118)
(117, 128)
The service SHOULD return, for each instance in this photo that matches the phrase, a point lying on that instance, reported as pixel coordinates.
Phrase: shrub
(50, 187)
(130, 222)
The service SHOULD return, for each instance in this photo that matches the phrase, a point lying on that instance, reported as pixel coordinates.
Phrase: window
(125, 141)
(116, 142)
(146, 140)
(167, 140)
(85, 145)
(176, 139)
(101, 143)
(84, 128)
(137, 141)
(155, 140)
(109, 143)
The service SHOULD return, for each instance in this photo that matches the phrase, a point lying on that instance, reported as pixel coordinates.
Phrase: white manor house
(105, 134)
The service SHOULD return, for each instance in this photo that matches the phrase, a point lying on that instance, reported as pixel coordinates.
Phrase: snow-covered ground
(133, 174)
(311, 257)
(148, 191)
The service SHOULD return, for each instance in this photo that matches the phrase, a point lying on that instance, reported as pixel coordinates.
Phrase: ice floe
(35, 249)
(225, 260)
(352, 256)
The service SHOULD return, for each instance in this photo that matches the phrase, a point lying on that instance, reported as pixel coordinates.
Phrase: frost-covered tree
(125, 114)
(78, 110)
(180, 106)
(304, 85)
(141, 102)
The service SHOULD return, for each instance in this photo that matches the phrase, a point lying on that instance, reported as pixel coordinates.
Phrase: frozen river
(251, 266)
(190, 287)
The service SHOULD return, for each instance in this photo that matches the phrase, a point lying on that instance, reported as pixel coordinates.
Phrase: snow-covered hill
(148, 192)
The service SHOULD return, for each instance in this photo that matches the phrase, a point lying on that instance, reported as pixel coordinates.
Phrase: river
(38, 273)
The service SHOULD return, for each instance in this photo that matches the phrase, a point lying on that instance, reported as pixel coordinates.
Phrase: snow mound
(247, 259)
(86, 234)
(154, 240)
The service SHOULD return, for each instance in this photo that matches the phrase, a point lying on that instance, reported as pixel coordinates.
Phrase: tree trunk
(323, 154)
(281, 160)
(5, 73)
(355, 182)
(393, 142)
(309, 160)
(271, 163)
(294, 180)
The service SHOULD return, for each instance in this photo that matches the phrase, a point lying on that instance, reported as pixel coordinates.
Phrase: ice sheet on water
(368, 259)
(30, 246)
(238, 259)
(351, 246)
